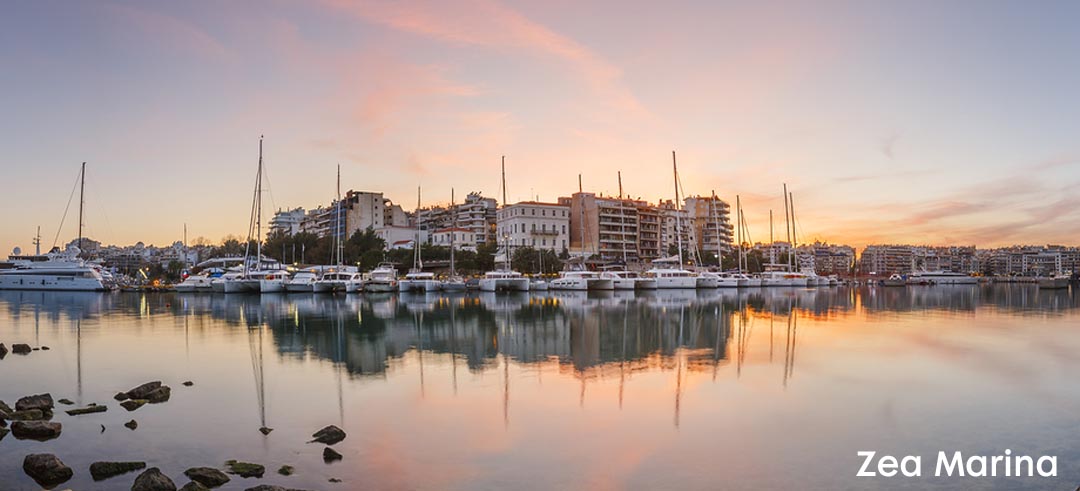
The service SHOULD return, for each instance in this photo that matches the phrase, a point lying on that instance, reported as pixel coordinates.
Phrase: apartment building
(462, 239)
(535, 224)
(603, 225)
(708, 217)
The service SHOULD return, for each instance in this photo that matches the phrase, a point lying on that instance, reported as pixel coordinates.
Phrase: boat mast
(339, 245)
(794, 235)
(772, 243)
(453, 232)
(787, 228)
(418, 264)
(739, 232)
(622, 221)
(37, 242)
(258, 209)
(82, 202)
(506, 243)
(678, 225)
(716, 224)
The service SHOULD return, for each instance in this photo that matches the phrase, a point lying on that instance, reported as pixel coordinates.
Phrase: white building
(534, 224)
(396, 236)
(461, 238)
(287, 221)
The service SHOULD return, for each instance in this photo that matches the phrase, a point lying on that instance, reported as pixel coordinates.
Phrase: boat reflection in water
(554, 389)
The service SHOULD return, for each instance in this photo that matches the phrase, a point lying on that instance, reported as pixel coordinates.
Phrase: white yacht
(53, 271)
(706, 279)
(504, 280)
(724, 280)
(625, 280)
(1055, 282)
(747, 281)
(419, 281)
(344, 280)
(453, 284)
(302, 282)
(242, 283)
(202, 282)
(581, 281)
(672, 278)
(382, 279)
(538, 285)
(274, 281)
(782, 278)
(940, 278)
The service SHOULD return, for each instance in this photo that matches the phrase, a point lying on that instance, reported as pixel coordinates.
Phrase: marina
(535, 390)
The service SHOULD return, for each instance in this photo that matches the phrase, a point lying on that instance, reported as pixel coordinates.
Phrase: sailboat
(575, 275)
(783, 274)
(673, 276)
(504, 278)
(340, 278)
(418, 280)
(248, 281)
(55, 270)
(454, 283)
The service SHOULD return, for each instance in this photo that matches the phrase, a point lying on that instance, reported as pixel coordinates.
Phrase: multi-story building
(603, 225)
(887, 259)
(459, 238)
(674, 219)
(710, 226)
(649, 232)
(904, 259)
(535, 224)
(287, 221)
(827, 259)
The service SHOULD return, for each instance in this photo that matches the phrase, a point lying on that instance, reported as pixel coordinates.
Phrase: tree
(527, 260)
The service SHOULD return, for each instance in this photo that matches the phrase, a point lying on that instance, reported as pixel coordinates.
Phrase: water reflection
(616, 373)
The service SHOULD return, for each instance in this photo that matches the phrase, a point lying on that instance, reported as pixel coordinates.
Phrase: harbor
(475, 390)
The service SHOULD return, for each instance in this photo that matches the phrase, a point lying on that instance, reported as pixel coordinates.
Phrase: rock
(270, 487)
(103, 428)
(44, 348)
(20, 349)
(44, 402)
(133, 404)
(286, 470)
(265, 431)
(153, 480)
(3, 351)
(28, 415)
(334, 479)
(245, 469)
(36, 349)
(132, 425)
(188, 383)
(329, 455)
(104, 470)
(207, 476)
(4, 432)
(120, 396)
(35, 430)
(87, 410)
(46, 469)
(194, 486)
(329, 435)
(5, 409)
(159, 395)
(66, 402)
(141, 391)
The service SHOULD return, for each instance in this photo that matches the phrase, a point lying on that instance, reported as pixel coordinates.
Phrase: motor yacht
(672, 278)
(581, 281)
(504, 280)
(63, 271)
(382, 279)
(419, 282)
(274, 281)
(302, 282)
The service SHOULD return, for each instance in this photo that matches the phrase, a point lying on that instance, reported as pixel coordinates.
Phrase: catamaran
(581, 281)
(940, 278)
(504, 278)
(303, 281)
(418, 280)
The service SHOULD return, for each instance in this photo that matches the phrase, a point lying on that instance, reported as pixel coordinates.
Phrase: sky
(921, 122)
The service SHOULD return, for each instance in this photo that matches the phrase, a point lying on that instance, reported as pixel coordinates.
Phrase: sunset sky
(908, 121)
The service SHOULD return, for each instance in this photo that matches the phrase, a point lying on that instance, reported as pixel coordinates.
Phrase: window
(534, 212)
(564, 229)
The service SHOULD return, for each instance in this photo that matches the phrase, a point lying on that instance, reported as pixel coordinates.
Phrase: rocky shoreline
(32, 419)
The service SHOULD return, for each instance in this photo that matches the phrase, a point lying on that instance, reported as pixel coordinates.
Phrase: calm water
(773, 389)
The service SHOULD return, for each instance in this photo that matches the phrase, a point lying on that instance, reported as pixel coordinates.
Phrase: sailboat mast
(258, 209)
(738, 232)
(772, 243)
(417, 263)
(453, 233)
(794, 235)
(678, 225)
(338, 232)
(506, 243)
(82, 201)
(622, 220)
(787, 225)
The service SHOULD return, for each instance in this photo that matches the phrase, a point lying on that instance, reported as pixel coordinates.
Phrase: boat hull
(676, 282)
(50, 282)
(271, 286)
(380, 286)
(505, 284)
